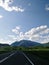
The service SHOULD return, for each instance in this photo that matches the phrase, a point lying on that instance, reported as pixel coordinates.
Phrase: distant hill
(2, 45)
(46, 44)
(25, 43)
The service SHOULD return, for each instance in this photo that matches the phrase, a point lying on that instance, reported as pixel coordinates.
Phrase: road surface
(16, 58)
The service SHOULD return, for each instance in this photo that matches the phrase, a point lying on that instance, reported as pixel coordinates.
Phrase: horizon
(24, 40)
(24, 20)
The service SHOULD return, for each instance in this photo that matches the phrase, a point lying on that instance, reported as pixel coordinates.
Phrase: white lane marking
(28, 58)
(6, 58)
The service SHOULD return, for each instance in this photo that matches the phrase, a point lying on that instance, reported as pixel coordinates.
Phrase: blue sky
(20, 19)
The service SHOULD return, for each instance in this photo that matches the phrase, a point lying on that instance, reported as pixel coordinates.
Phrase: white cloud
(47, 7)
(38, 34)
(3, 41)
(45, 39)
(21, 36)
(5, 4)
(16, 30)
(36, 30)
(1, 16)
(12, 37)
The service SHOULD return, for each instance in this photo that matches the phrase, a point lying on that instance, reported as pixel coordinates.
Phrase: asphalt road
(37, 60)
(5, 55)
(16, 58)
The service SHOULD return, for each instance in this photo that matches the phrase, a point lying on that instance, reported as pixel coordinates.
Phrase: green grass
(9, 48)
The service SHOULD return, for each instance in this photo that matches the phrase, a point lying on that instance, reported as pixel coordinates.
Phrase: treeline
(11, 48)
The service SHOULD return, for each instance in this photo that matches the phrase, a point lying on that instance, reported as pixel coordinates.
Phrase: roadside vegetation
(37, 54)
(20, 48)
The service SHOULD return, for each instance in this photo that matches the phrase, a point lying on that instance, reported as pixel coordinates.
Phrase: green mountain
(25, 43)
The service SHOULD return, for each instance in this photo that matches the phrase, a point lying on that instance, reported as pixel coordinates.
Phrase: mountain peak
(25, 43)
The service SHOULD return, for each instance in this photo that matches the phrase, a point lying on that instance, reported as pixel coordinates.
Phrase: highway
(5, 54)
(16, 58)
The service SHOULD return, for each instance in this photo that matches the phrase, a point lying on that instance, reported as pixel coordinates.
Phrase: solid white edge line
(13, 54)
(6, 58)
(28, 58)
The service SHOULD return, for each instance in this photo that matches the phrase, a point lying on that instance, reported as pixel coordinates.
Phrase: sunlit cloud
(6, 5)
(3, 41)
(16, 30)
(1, 16)
(38, 34)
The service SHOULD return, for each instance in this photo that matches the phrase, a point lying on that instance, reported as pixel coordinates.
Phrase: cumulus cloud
(36, 30)
(16, 30)
(38, 34)
(6, 5)
(1, 16)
